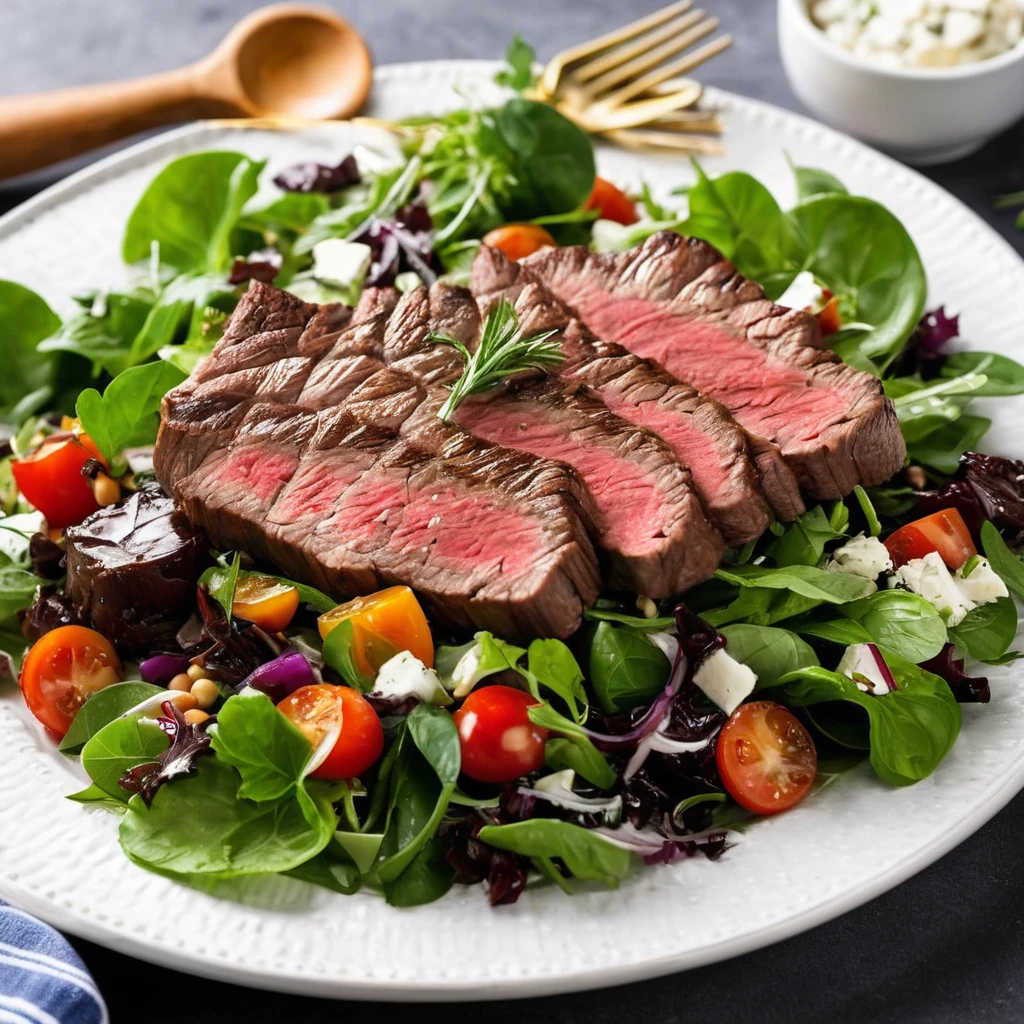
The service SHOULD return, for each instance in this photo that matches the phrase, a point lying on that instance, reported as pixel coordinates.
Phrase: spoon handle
(43, 128)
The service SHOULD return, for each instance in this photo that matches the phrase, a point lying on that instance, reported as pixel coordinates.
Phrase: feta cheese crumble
(405, 675)
(922, 33)
(725, 681)
(863, 556)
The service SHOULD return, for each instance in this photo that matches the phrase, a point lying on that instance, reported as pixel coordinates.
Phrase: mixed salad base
(353, 746)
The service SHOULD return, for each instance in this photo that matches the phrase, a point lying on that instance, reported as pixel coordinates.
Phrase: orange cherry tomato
(766, 758)
(63, 670)
(518, 240)
(390, 620)
(944, 532)
(51, 479)
(319, 710)
(829, 319)
(499, 742)
(611, 203)
(266, 601)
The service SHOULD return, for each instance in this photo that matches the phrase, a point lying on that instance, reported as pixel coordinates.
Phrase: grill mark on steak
(680, 303)
(699, 430)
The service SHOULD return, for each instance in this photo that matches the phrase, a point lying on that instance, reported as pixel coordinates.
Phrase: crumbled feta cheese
(930, 578)
(725, 681)
(864, 664)
(862, 556)
(341, 264)
(979, 582)
(803, 293)
(961, 29)
(405, 675)
(609, 236)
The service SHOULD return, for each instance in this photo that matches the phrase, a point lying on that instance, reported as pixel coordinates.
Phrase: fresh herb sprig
(502, 353)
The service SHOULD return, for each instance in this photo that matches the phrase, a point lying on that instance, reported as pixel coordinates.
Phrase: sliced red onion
(162, 668)
(655, 741)
(284, 675)
(865, 665)
(571, 801)
(628, 837)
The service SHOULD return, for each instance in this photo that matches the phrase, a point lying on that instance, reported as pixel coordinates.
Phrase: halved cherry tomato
(266, 601)
(390, 620)
(499, 742)
(518, 240)
(766, 758)
(63, 670)
(319, 710)
(944, 532)
(611, 203)
(51, 479)
(829, 319)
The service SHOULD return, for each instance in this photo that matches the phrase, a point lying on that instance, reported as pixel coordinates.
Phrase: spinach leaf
(942, 447)
(1008, 565)
(624, 668)
(337, 654)
(901, 623)
(551, 665)
(805, 580)
(866, 257)
(427, 878)
(767, 651)
(26, 384)
(987, 631)
(122, 744)
(573, 749)
(487, 656)
(635, 622)
(128, 413)
(1003, 375)
(331, 869)
(911, 729)
(519, 58)
(200, 826)
(221, 580)
(587, 855)
(17, 590)
(812, 181)
(102, 708)
(12, 648)
(803, 542)
(422, 782)
(268, 751)
(838, 631)
(190, 209)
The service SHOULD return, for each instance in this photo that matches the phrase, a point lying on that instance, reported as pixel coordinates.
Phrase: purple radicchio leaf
(188, 742)
(924, 351)
(967, 689)
(263, 265)
(401, 243)
(310, 176)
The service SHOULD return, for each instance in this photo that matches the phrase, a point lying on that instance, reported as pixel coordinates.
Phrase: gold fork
(627, 79)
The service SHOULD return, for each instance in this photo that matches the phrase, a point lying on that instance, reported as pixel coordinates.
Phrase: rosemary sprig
(502, 353)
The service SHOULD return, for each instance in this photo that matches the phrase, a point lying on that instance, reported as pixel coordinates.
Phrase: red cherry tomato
(499, 742)
(518, 240)
(51, 479)
(63, 670)
(611, 203)
(766, 758)
(318, 710)
(944, 532)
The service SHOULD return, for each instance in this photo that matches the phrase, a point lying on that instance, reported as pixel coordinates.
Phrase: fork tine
(638, 112)
(653, 141)
(620, 55)
(673, 69)
(549, 80)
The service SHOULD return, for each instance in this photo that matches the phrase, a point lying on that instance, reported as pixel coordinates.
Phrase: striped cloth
(42, 979)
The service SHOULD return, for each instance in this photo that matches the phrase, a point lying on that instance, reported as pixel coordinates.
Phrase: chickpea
(180, 682)
(646, 607)
(197, 672)
(183, 700)
(106, 490)
(206, 692)
(196, 717)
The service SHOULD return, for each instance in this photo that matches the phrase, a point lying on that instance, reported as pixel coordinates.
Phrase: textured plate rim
(175, 956)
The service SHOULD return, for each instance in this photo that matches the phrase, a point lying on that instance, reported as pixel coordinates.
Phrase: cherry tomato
(499, 742)
(829, 319)
(63, 670)
(390, 620)
(51, 479)
(766, 758)
(266, 601)
(611, 203)
(944, 532)
(518, 240)
(318, 710)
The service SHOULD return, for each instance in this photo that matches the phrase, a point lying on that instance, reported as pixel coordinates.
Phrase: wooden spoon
(281, 62)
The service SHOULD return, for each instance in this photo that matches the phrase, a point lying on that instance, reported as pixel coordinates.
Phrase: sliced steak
(488, 537)
(700, 432)
(679, 302)
(651, 526)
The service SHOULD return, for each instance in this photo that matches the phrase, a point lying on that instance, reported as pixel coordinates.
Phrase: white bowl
(921, 115)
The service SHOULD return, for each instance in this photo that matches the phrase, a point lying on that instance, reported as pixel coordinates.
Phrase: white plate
(61, 861)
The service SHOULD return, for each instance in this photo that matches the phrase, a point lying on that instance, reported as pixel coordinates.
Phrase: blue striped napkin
(42, 979)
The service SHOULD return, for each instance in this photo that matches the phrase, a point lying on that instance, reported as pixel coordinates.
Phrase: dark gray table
(945, 946)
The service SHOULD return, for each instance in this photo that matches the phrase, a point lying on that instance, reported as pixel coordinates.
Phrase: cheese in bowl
(922, 33)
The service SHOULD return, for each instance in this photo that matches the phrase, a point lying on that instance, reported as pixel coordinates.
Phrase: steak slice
(488, 537)
(679, 302)
(651, 526)
(698, 429)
